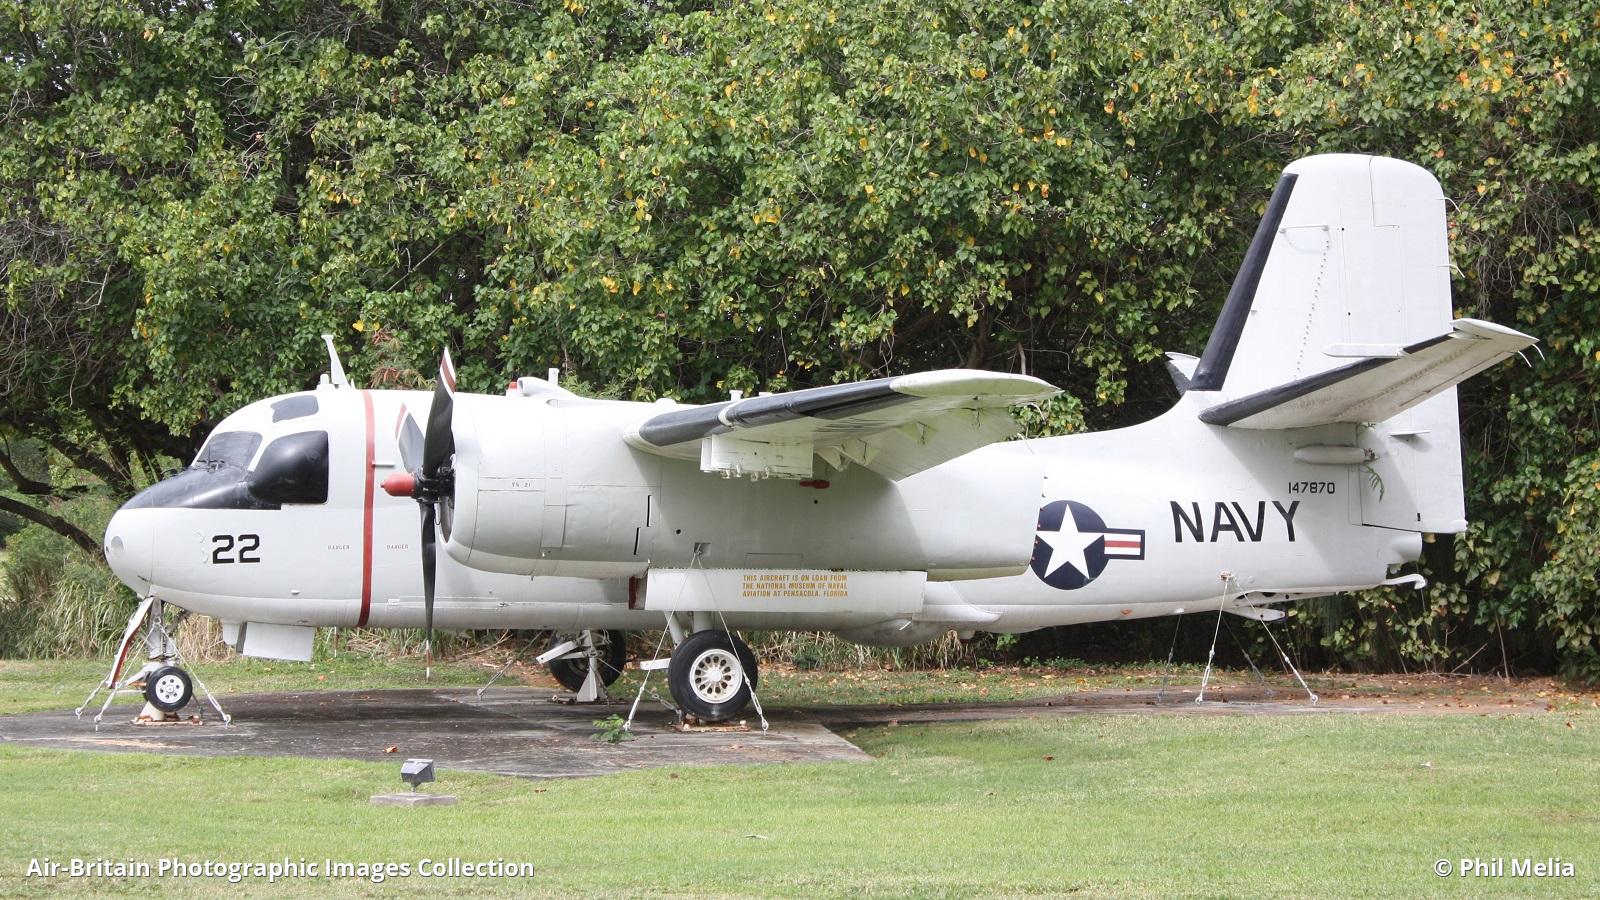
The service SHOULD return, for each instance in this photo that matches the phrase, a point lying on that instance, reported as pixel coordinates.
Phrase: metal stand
(162, 650)
(1222, 602)
(1166, 674)
(593, 689)
(1271, 694)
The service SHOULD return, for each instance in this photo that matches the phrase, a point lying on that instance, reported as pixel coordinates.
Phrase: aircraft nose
(130, 549)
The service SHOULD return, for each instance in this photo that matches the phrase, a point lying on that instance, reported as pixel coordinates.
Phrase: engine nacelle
(548, 486)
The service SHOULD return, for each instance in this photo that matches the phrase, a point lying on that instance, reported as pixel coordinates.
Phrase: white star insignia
(1067, 546)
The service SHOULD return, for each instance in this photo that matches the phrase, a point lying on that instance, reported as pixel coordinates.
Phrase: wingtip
(1492, 331)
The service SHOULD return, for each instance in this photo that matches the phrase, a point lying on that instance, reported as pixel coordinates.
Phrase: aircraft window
(230, 448)
(293, 469)
(294, 407)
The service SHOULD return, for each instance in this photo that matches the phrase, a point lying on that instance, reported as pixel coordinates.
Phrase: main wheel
(704, 675)
(168, 689)
(572, 672)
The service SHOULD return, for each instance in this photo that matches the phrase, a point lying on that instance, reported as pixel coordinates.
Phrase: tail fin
(1341, 313)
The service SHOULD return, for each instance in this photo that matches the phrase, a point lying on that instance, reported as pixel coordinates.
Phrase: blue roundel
(1072, 545)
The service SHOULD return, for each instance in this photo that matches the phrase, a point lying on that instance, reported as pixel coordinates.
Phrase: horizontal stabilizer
(894, 426)
(1375, 389)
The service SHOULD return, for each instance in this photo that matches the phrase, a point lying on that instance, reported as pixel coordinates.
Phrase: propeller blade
(409, 435)
(439, 443)
(429, 566)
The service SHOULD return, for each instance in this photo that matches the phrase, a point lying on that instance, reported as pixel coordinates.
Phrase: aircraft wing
(1377, 387)
(894, 426)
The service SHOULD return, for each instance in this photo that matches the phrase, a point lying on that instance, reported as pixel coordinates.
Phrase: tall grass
(57, 601)
(823, 650)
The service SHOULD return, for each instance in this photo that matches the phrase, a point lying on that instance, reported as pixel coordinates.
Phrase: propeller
(429, 479)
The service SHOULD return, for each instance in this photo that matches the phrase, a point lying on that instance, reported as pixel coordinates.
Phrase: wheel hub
(169, 688)
(715, 675)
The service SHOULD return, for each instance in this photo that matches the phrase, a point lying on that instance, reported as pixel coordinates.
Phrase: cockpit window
(293, 469)
(295, 407)
(230, 448)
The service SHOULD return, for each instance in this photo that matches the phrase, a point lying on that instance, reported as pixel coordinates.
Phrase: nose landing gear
(165, 685)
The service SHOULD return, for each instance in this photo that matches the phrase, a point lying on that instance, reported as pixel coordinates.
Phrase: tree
(686, 198)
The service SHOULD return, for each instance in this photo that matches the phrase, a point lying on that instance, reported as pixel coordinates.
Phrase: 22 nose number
(230, 549)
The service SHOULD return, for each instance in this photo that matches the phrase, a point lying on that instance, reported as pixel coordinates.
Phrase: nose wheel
(168, 689)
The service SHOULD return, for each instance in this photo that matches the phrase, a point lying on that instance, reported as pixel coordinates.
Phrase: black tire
(572, 672)
(168, 689)
(702, 680)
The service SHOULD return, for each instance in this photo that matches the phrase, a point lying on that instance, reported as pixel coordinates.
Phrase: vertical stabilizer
(1350, 263)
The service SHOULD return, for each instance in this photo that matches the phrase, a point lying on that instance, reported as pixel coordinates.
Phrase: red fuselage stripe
(366, 518)
(1128, 544)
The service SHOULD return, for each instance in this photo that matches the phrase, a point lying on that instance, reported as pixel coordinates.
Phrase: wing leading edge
(894, 426)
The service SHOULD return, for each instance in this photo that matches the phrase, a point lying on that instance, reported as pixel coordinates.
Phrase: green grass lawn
(1104, 805)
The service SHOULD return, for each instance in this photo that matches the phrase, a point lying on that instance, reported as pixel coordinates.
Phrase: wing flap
(894, 426)
(1378, 388)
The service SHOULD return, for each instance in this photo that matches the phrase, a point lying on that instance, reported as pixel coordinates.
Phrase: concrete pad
(511, 731)
(413, 798)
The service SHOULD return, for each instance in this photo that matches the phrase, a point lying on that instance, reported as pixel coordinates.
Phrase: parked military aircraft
(1314, 442)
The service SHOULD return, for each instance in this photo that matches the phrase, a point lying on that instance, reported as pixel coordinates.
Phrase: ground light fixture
(416, 772)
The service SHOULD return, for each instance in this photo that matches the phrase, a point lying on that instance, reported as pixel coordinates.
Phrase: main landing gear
(711, 673)
(600, 654)
(583, 662)
(166, 686)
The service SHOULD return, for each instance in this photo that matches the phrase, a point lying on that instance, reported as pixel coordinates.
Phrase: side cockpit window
(228, 448)
(293, 469)
(296, 407)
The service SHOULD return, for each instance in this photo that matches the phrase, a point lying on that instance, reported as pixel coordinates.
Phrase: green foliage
(56, 600)
(9, 525)
(613, 729)
(683, 199)
(1567, 580)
